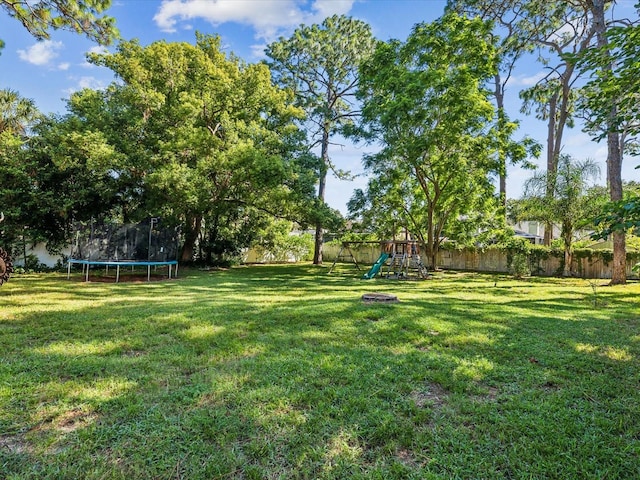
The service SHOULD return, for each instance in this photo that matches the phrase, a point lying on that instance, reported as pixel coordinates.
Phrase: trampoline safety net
(129, 242)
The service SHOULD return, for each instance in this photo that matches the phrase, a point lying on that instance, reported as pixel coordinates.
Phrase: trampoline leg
(148, 273)
(68, 270)
(117, 273)
(87, 277)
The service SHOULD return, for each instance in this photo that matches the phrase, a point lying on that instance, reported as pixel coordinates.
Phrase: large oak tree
(208, 137)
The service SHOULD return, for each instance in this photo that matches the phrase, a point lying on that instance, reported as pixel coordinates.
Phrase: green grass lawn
(282, 372)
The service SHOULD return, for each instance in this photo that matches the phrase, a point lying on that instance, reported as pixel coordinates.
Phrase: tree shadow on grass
(234, 374)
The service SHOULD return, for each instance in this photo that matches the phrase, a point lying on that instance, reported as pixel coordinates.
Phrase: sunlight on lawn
(613, 353)
(620, 354)
(203, 331)
(95, 392)
(476, 369)
(343, 446)
(76, 348)
(283, 372)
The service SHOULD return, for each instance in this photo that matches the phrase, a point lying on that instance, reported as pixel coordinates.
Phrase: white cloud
(85, 82)
(573, 31)
(64, 66)
(579, 140)
(257, 51)
(98, 49)
(326, 8)
(41, 53)
(91, 82)
(526, 80)
(581, 146)
(269, 18)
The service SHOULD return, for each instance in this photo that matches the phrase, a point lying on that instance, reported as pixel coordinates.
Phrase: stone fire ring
(379, 297)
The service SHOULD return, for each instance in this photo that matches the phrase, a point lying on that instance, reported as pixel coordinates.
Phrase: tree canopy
(620, 216)
(320, 64)
(187, 133)
(85, 17)
(226, 148)
(209, 135)
(425, 101)
(514, 35)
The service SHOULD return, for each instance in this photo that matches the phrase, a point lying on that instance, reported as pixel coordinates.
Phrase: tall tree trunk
(614, 172)
(552, 163)
(322, 184)
(502, 156)
(567, 262)
(431, 253)
(614, 153)
(568, 257)
(212, 236)
(193, 224)
(559, 110)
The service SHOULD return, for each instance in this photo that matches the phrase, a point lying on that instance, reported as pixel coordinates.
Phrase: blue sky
(49, 71)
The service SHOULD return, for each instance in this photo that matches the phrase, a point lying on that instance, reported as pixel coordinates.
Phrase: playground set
(399, 259)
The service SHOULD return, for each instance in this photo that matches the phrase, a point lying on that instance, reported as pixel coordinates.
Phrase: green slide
(376, 267)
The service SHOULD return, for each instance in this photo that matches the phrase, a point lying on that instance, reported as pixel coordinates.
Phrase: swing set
(399, 259)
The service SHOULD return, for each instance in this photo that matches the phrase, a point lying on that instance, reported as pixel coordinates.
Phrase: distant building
(532, 238)
(534, 231)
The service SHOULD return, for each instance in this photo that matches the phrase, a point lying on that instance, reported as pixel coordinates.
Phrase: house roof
(523, 234)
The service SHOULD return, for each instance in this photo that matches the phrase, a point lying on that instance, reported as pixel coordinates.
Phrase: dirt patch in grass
(433, 395)
(406, 457)
(72, 420)
(489, 394)
(14, 444)
(134, 353)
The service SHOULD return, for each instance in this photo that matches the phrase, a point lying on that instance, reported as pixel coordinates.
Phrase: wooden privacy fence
(489, 260)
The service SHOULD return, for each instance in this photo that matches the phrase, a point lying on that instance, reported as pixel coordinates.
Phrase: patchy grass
(282, 372)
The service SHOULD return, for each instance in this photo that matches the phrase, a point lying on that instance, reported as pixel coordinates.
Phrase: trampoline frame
(86, 264)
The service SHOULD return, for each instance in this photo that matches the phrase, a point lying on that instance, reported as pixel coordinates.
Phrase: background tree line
(224, 148)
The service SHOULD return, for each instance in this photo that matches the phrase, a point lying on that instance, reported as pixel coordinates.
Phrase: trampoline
(86, 264)
(130, 245)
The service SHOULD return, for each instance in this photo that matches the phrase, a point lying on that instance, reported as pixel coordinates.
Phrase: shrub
(520, 266)
(276, 243)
